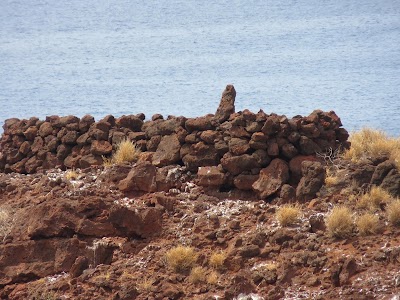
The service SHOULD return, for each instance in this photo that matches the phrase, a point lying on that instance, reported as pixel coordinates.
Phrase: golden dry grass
(288, 214)
(71, 175)
(369, 142)
(339, 222)
(367, 224)
(197, 275)
(374, 198)
(331, 179)
(393, 212)
(145, 285)
(217, 260)
(181, 258)
(212, 278)
(126, 152)
(271, 266)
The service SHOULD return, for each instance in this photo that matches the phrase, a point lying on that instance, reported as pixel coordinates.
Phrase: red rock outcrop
(237, 144)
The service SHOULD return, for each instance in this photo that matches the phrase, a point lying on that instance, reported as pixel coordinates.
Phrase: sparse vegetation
(145, 285)
(181, 258)
(288, 214)
(71, 175)
(393, 212)
(271, 266)
(372, 143)
(331, 179)
(374, 198)
(339, 222)
(368, 224)
(126, 152)
(212, 278)
(217, 260)
(197, 275)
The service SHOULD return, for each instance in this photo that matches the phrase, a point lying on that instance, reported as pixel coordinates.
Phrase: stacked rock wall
(226, 148)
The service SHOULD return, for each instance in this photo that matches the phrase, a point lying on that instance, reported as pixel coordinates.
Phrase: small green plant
(197, 275)
(374, 198)
(217, 260)
(393, 212)
(288, 214)
(367, 224)
(181, 258)
(126, 152)
(339, 222)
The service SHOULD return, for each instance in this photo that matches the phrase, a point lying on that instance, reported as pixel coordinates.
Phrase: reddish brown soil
(85, 239)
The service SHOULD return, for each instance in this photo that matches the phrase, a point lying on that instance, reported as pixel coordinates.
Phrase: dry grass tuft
(71, 175)
(288, 214)
(197, 275)
(368, 224)
(372, 143)
(145, 285)
(331, 179)
(212, 278)
(339, 222)
(126, 152)
(217, 260)
(374, 198)
(393, 212)
(181, 258)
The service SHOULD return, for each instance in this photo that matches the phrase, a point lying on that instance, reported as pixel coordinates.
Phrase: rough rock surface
(84, 238)
(272, 178)
(227, 105)
(312, 180)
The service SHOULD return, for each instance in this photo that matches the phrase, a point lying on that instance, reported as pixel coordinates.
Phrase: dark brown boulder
(90, 160)
(100, 147)
(85, 122)
(200, 155)
(295, 166)
(271, 125)
(308, 146)
(45, 129)
(312, 180)
(238, 146)
(391, 183)
(132, 122)
(210, 176)
(381, 171)
(142, 177)
(70, 138)
(238, 164)
(227, 104)
(168, 151)
(200, 123)
(272, 178)
(31, 133)
(245, 181)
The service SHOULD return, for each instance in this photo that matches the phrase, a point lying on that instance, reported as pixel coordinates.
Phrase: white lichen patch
(56, 277)
(249, 297)
(296, 292)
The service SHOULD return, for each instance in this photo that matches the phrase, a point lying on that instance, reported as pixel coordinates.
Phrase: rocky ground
(67, 237)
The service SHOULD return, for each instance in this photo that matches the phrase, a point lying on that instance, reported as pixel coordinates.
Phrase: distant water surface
(175, 57)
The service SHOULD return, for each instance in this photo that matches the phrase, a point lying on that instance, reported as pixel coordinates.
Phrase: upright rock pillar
(227, 104)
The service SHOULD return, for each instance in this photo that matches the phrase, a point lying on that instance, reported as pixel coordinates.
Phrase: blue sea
(175, 57)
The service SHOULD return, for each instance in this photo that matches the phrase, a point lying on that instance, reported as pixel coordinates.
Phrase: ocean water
(175, 57)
